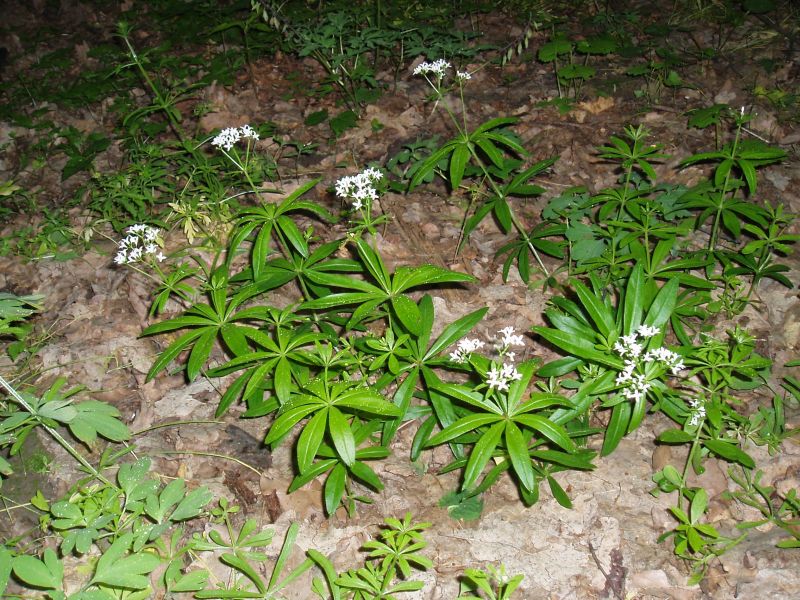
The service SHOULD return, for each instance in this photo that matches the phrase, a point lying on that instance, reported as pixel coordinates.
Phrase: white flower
(360, 188)
(637, 387)
(142, 241)
(502, 377)
(509, 339)
(227, 138)
(463, 75)
(646, 331)
(698, 412)
(437, 67)
(465, 348)
(248, 132)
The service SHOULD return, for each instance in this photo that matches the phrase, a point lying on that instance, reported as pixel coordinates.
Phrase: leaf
(458, 160)
(5, 567)
(172, 351)
(334, 488)
(481, 453)
(698, 506)
(191, 582)
(245, 568)
(663, 304)
(518, 453)
(116, 570)
(675, 436)
(552, 431)
(35, 572)
(462, 426)
(730, 452)
(558, 492)
(310, 440)
(342, 435)
(616, 428)
(578, 347)
(408, 313)
(634, 300)
(192, 505)
(598, 311)
(99, 418)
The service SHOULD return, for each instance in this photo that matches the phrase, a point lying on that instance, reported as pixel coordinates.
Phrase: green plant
(494, 585)
(570, 74)
(484, 154)
(391, 559)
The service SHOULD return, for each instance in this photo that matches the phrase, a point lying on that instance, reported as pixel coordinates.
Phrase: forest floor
(606, 545)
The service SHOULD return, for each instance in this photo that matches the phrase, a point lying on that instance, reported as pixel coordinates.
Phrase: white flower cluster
(465, 348)
(630, 349)
(507, 340)
(360, 189)
(437, 67)
(698, 412)
(142, 241)
(228, 137)
(501, 377)
(463, 75)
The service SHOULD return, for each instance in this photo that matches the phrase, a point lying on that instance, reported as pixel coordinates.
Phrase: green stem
(685, 474)
(161, 100)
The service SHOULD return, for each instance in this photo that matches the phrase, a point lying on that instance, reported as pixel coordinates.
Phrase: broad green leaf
(366, 475)
(455, 331)
(408, 313)
(518, 453)
(616, 428)
(34, 572)
(5, 568)
(552, 431)
(334, 488)
(675, 436)
(458, 160)
(115, 569)
(578, 347)
(368, 401)
(558, 492)
(342, 436)
(462, 426)
(730, 452)
(245, 568)
(191, 582)
(191, 505)
(664, 303)
(698, 506)
(372, 261)
(172, 351)
(481, 454)
(310, 440)
(287, 420)
(634, 300)
(598, 311)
